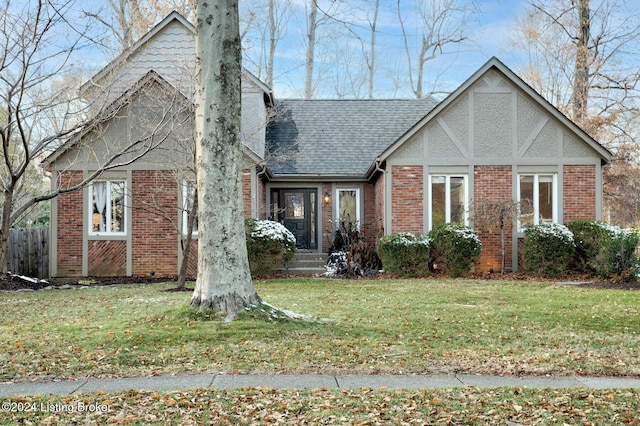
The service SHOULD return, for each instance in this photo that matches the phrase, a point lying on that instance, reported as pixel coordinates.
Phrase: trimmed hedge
(405, 254)
(548, 249)
(269, 243)
(455, 248)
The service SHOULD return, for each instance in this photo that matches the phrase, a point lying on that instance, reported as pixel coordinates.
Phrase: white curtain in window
(100, 198)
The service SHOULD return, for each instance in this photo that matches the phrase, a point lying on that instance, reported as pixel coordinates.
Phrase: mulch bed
(12, 283)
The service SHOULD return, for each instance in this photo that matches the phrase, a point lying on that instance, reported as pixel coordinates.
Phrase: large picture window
(448, 197)
(536, 199)
(108, 212)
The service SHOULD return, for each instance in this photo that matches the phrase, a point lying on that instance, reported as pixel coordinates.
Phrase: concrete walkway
(224, 381)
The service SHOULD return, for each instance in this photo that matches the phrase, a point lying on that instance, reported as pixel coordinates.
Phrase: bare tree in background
(312, 26)
(128, 20)
(582, 56)
(30, 60)
(442, 24)
(39, 114)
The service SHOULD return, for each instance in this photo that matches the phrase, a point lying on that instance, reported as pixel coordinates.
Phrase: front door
(296, 209)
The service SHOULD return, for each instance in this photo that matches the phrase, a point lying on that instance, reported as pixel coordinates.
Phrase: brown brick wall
(407, 199)
(154, 238)
(69, 226)
(379, 206)
(246, 192)
(368, 225)
(493, 188)
(107, 258)
(579, 192)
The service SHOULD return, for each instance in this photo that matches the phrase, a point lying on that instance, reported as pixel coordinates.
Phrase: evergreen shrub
(269, 243)
(605, 250)
(455, 248)
(548, 249)
(405, 254)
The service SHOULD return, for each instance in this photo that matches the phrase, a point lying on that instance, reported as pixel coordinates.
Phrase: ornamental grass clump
(405, 254)
(548, 250)
(455, 248)
(269, 244)
(604, 250)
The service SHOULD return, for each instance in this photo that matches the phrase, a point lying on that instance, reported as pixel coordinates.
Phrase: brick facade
(69, 226)
(152, 222)
(407, 199)
(492, 199)
(154, 238)
(579, 192)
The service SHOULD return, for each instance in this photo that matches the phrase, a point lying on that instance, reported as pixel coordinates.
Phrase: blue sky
(489, 33)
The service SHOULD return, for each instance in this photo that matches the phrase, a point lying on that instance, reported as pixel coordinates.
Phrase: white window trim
(465, 179)
(125, 216)
(358, 201)
(536, 198)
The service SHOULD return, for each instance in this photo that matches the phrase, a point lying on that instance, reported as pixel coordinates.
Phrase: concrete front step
(305, 263)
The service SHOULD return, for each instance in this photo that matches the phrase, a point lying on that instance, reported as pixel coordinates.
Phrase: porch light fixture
(327, 197)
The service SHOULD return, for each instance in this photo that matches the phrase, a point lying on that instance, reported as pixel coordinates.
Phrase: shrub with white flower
(405, 253)
(269, 243)
(548, 249)
(455, 247)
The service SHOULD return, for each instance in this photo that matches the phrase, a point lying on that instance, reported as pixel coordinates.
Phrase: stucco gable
(495, 115)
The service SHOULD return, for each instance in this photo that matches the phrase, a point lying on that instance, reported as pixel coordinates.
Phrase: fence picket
(29, 252)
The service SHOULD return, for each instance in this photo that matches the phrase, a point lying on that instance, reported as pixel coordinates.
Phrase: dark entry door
(296, 209)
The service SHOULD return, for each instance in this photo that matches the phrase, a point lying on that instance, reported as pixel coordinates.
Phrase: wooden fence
(29, 252)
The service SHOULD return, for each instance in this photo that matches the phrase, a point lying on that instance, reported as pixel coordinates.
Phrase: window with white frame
(108, 212)
(188, 198)
(537, 199)
(448, 198)
(348, 206)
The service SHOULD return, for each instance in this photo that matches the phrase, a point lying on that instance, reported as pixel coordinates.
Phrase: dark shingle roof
(338, 137)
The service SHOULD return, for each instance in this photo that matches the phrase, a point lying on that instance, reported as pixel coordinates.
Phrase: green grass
(258, 406)
(380, 326)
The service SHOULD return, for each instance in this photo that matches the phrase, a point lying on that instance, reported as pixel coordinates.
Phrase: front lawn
(381, 326)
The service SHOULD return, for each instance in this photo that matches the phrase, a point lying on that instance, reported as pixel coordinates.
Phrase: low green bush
(604, 250)
(589, 237)
(405, 254)
(548, 249)
(455, 248)
(269, 244)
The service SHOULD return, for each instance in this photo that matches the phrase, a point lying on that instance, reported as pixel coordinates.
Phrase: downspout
(262, 172)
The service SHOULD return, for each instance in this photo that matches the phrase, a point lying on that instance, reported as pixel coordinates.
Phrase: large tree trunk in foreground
(224, 280)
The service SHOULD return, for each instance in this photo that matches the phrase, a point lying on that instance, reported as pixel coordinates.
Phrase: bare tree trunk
(224, 280)
(371, 63)
(188, 242)
(311, 46)
(581, 76)
(5, 226)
